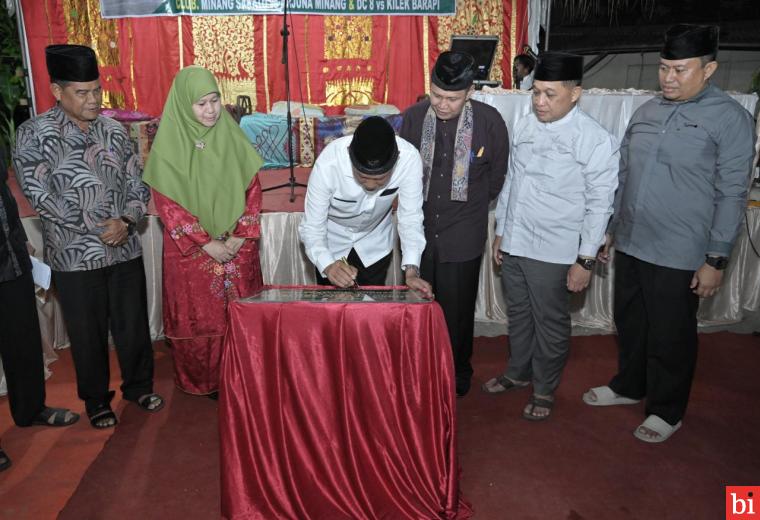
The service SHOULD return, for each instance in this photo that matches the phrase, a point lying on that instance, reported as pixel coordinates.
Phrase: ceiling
(616, 26)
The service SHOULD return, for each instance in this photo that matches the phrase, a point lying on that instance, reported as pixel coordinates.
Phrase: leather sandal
(538, 402)
(500, 384)
(103, 417)
(150, 402)
(55, 417)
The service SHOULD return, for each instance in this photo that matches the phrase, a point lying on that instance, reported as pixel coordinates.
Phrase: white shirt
(527, 82)
(339, 214)
(560, 187)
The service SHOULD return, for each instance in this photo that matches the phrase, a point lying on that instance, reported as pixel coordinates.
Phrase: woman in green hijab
(202, 169)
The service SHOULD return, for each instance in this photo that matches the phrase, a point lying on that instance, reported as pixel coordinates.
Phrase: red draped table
(337, 411)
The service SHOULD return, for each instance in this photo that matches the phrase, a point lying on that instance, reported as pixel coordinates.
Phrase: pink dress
(197, 288)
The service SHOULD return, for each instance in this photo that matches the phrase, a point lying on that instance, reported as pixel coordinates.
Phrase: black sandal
(102, 417)
(55, 417)
(150, 402)
(5, 460)
(538, 402)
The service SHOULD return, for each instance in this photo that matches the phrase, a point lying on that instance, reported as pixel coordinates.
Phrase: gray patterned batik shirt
(76, 179)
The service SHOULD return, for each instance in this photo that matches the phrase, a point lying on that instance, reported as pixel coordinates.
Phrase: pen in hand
(345, 261)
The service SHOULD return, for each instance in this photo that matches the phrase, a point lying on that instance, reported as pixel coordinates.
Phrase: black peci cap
(559, 66)
(685, 41)
(453, 70)
(71, 63)
(373, 149)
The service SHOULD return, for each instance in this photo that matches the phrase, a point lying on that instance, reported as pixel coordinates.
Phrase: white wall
(640, 71)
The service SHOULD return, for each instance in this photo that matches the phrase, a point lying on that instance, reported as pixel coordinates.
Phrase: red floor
(582, 464)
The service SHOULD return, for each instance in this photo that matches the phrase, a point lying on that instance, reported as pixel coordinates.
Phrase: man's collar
(702, 93)
(563, 121)
(63, 117)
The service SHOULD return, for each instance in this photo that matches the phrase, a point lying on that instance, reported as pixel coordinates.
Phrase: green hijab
(204, 170)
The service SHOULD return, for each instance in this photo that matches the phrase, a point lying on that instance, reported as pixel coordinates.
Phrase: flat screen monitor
(482, 48)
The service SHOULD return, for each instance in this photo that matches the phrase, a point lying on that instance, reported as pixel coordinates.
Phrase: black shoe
(463, 386)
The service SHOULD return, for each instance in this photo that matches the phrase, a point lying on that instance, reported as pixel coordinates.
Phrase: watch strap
(586, 263)
(130, 224)
(717, 262)
(412, 267)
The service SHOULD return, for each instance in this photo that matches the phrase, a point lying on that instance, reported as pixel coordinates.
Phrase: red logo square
(742, 502)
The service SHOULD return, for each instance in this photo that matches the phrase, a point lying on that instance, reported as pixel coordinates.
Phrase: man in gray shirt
(685, 165)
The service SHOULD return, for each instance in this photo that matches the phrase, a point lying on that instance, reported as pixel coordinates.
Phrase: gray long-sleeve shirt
(684, 174)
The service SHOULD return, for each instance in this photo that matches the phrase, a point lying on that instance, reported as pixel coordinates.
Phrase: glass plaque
(333, 295)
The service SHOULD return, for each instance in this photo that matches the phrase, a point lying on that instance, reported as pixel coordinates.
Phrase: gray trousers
(538, 310)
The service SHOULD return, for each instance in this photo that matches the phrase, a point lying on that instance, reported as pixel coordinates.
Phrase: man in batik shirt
(79, 172)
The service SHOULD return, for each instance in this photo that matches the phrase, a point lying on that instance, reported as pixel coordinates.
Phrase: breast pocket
(644, 137)
(478, 167)
(343, 207)
(694, 140)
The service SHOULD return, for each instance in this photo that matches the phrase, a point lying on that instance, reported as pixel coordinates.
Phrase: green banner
(376, 7)
(125, 8)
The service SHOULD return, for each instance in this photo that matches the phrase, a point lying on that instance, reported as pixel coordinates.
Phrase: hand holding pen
(342, 274)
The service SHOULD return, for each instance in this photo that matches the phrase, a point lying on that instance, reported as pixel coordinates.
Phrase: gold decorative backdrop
(225, 46)
(84, 26)
(347, 53)
(348, 37)
(334, 60)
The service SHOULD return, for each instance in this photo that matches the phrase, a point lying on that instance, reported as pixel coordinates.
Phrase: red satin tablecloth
(332, 411)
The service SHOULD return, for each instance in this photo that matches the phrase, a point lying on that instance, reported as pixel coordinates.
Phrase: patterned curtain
(333, 61)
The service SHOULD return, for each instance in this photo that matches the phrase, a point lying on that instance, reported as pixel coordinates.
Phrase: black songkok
(373, 149)
(453, 70)
(559, 66)
(685, 41)
(71, 63)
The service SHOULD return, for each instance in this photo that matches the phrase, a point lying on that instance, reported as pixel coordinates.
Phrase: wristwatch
(717, 262)
(586, 263)
(411, 267)
(130, 225)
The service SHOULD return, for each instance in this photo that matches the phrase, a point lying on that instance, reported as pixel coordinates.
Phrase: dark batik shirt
(75, 180)
(458, 230)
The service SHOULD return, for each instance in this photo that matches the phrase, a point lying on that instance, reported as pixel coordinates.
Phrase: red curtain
(334, 61)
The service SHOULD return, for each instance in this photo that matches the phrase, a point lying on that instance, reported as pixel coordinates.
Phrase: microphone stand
(292, 178)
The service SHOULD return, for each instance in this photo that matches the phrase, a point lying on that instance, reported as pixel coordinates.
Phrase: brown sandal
(504, 385)
(538, 402)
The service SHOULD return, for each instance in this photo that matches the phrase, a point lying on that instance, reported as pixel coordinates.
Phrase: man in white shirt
(348, 208)
(550, 222)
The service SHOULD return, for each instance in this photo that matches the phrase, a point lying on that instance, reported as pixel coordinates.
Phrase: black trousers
(92, 301)
(368, 275)
(455, 285)
(21, 349)
(656, 318)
